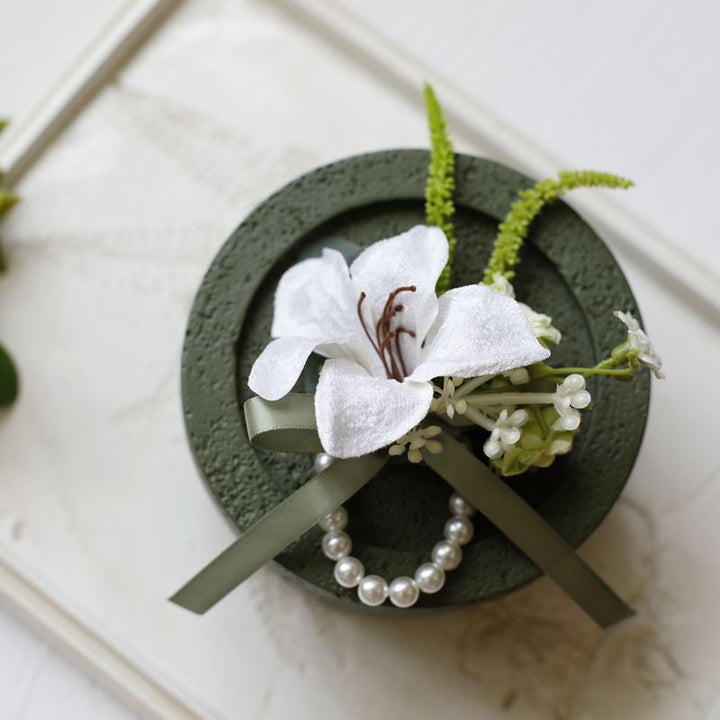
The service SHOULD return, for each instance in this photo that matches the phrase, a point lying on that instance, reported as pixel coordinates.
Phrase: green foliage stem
(8, 374)
(514, 228)
(7, 200)
(440, 186)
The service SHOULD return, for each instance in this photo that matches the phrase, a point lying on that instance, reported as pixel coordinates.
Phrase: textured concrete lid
(567, 272)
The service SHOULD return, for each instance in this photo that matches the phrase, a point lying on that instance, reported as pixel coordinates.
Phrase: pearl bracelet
(403, 591)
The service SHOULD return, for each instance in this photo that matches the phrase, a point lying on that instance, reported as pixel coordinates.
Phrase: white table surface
(101, 498)
(38, 38)
(608, 85)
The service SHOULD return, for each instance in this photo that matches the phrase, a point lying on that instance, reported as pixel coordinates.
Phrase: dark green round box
(566, 272)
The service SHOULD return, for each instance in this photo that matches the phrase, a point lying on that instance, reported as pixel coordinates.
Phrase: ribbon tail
(528, 531)
(276, 530)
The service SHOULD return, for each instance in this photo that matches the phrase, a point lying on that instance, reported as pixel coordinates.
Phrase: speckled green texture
(566, 272)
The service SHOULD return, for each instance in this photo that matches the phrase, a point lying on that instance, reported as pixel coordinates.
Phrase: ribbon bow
(288, 425)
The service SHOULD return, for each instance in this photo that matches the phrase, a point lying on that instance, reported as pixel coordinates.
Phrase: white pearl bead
(334, 521)
(429, 578)
(403, 592)
(349, 572)
(336, 545)
(373, 590)
(460, 506)
(446, 555)
(459, 530)
(322, 462)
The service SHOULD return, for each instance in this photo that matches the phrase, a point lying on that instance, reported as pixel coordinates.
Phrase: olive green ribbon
(527, 530)
(288, 425)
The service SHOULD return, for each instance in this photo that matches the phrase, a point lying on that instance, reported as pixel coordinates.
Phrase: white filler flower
(570, 397)
(386, 336)
(640, 342)
(505, 433)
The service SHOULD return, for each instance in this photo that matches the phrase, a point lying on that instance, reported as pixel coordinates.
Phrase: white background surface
(38, 39)
(608, 85)
(100, 495)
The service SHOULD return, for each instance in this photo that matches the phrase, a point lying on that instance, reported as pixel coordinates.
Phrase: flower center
(386, 340)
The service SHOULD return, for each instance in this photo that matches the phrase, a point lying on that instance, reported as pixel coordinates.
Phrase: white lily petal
(358, 413)
(279, 366)
(317, 299)
(478, 331)
(416, 257)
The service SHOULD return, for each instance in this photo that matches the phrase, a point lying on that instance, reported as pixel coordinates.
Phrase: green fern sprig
(440, 185)
(514, 228)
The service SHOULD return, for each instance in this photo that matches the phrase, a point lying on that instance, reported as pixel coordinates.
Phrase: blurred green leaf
(7, 200)
(8, 375)
(9, 383)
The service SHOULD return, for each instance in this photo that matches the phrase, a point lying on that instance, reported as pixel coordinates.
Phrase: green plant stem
(8, 373)
(585, 372)
(479, 418)
(509, 398)
(467, 387)
(7, 200)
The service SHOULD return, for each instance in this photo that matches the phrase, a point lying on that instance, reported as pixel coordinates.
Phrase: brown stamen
(389, 353)
(367, 332)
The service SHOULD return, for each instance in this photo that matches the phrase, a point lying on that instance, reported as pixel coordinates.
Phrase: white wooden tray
(120, 218)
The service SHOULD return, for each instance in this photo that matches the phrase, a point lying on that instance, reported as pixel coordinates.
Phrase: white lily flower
(505, 433)
(386, 336)
(571, 394)
(541, 324)
(641, 342)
